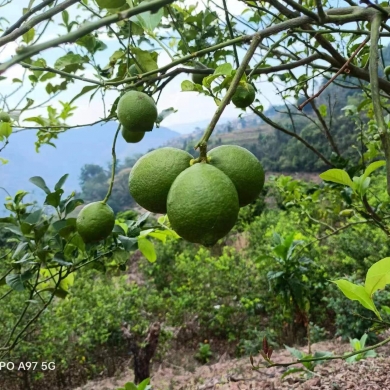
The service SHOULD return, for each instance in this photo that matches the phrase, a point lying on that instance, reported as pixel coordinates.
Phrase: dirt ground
(237, 374)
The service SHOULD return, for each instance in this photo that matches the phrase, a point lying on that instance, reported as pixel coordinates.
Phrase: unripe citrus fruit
(153, 174)
(197, 78)
(202, 204)
(244, 95)
(132, 137)
(133, 71)
(110, 3)
(4, 117)
(137, 111)
(243, 169)
(387, 71)
(95, 222)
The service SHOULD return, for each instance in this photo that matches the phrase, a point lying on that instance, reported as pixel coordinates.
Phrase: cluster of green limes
(201, 200)
(137, 114)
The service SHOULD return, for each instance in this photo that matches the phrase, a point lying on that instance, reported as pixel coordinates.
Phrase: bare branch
(12, 36)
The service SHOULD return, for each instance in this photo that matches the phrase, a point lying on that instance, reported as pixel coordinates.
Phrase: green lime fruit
(197, 78)
(202, 204)
(4, 117)
(243, 169)
(132, 137)
(244, 96)
(95, 222)
(137, 111)
(110, 3)
(133, 71)
(153, 174)
(387, 71)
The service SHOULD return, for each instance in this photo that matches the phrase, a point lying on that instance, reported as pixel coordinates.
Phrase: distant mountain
(74, 148)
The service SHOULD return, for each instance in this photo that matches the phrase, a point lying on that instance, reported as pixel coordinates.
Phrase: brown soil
(237, 374)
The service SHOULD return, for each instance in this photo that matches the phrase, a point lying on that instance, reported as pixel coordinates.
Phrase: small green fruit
(244, 96)
(4, 117)
(132, 137)
(387, 71)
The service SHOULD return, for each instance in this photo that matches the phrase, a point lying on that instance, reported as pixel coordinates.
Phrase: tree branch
(12, 36)
(82, 31)
(30, 12)
(298, 137)
(376, 100)
(230, 92)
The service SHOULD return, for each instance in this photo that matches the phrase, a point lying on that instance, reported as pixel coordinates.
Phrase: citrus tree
(54, 55)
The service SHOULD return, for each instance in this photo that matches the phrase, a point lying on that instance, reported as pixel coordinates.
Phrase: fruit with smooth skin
(132, 137)
(110, 3)
(95, 222)
(137, 111)
(387, 71)
(202, 204)
(153, 174)
(133, 71)
(197, 78)
(242, 167)
(244, 95)
(4, 117)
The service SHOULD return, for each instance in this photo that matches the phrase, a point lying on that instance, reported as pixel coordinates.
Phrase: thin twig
(341, 70)
(230, 92)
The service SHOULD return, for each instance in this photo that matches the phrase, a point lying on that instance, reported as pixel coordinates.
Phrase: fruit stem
(232, 89)
(113, 167)
(203, 152)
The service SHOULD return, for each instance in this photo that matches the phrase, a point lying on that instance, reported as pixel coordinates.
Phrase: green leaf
(65, 17)
(54, 198)
(337, 176)
(59, 258)
(357, 293)
(39, 182)
(16, 281)
(373, 167)
(323, 110)
(378, 276)
(143, 384)
(61, 182)
(187, 85)
(295, 352)
(20, 248)
(147, 60)
(85, 90)
(34, 217)
(224, 69)
(129, 243)
(28, 36)
(130, 386)
(164, 113)
(5, 129)
(147, 249)
(147, 20)
(70, 206)
(70, 62)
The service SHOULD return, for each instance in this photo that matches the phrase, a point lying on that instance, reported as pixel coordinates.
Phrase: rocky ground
(237, 374)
